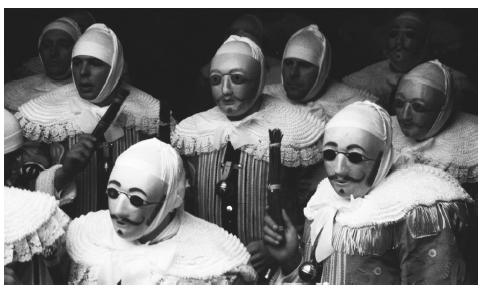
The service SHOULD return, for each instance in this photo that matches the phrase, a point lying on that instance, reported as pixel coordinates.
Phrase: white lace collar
(454, 150)
(199, 250)
(62, 113)
(210, 130)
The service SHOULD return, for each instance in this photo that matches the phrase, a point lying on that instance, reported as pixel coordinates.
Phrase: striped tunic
(251, 196)
(87, 180)
(54, 117)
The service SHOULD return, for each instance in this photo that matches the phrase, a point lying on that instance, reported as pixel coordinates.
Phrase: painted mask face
(56, 50)
(90, 75)
(351, 159)
(234, 80)
(299, 77)
(406, 44)
(417, 107)
(134, 201)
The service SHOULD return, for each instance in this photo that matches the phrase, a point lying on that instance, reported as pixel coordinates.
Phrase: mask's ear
(375, 169)
(56, 152)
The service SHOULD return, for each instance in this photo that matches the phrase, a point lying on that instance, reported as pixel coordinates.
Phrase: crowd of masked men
(293, 177)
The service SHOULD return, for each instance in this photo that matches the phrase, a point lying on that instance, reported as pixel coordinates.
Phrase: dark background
(165, 48)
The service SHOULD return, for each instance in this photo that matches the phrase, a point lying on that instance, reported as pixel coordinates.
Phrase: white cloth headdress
(255, 53)
(12, 134)
(164, 167)
(370, 117)
(65, 24)
(101, 42)
(437, 76)
(310, 45)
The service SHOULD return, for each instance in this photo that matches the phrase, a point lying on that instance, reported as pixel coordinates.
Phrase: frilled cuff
(46, 183)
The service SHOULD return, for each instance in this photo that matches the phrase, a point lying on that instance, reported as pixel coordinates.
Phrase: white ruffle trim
(203, 251)
(139, 110)
(301, 142)
(43, 241)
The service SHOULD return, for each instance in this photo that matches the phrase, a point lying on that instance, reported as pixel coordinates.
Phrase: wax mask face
(56, 51)
(299, 77)
(129, 221)
(234, 80)
(417, 106)
(351, 177)
(406, 44)
(90, 74)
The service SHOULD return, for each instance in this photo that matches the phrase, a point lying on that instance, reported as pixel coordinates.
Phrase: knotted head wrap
(437, 76)
(310, 45)
(162, 166)
(240, 45)
(12, 135)
(100, 42)
(372, 118)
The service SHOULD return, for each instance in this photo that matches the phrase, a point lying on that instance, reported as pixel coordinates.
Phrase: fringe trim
(421, 221)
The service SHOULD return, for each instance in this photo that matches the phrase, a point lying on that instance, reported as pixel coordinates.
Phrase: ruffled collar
(199, 250)
(18, 92)
(386, 205)
(62, 113)
(33, 223)
(336, 97)
(454, 150)
(210, 130)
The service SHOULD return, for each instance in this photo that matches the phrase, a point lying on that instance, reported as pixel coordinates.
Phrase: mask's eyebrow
(134, 189)
(115, 183)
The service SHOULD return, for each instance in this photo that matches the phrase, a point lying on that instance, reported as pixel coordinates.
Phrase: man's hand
(283, 247)
(9, 277)
(79, 155)
(260, 258)
(75, 160)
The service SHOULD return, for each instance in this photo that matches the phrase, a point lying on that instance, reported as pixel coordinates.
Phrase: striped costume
(203, 138)
(61, 115)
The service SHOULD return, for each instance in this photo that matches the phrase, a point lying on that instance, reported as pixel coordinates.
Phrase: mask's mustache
(346, 178)
(127, 220)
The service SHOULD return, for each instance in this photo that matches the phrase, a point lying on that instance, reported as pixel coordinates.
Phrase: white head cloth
(12, 134)
(255, 53)
(100, 42)
(310, 45)
(437, 76)
(374, 119)
(164, 167)
(65, 24)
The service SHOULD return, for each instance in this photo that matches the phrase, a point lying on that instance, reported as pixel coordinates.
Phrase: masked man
(407, 46)
(227, 147)
(146, 237)
(429, 129)
(305, 76)
(63, 114)
(55, 49)
(34, 237)
(366, 226)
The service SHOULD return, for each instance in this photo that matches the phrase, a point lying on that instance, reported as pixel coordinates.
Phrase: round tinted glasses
(135, 200)
(353, 157)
